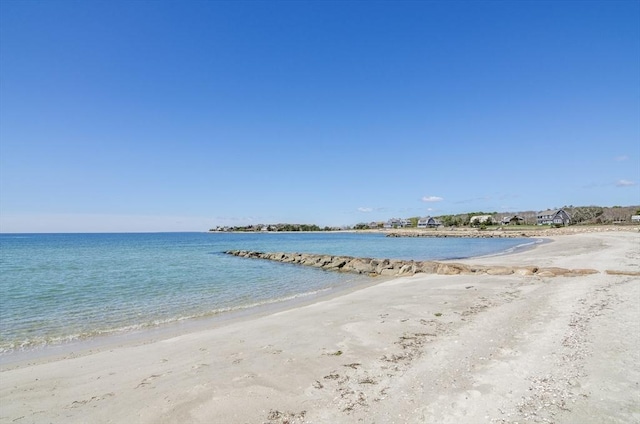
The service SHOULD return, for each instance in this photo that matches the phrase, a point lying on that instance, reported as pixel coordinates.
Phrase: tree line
(274, 227)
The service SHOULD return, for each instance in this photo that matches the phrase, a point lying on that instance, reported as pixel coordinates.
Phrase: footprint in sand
(269, 349)
(198, 366)
(79, 403)
(150, 379)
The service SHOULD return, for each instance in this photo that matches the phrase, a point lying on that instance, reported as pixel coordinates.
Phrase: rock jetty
(399, 267)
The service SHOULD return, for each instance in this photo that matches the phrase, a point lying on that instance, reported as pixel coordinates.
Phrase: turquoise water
(62, 287)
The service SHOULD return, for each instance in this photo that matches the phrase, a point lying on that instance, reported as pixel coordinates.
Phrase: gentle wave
(42, 342)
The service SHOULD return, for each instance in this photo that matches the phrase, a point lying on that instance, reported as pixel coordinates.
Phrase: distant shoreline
(467, 232)
(506, 231)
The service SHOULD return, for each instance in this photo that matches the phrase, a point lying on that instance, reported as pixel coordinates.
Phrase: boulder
(582, 271)
(499, 270)
(451, 269)
(428, 267)
(406, 269)
(336, 263)
(617, 272)
(525, 271)
(360, 266)
(309, 260)
(382, 265)
(554, 271)
(478, 269)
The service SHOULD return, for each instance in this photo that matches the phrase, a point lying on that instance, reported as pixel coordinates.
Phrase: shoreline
(146, 335)
(140, 336)
(83, 345)
(425, 348)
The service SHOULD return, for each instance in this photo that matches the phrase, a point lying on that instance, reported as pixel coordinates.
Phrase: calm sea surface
(61, 287)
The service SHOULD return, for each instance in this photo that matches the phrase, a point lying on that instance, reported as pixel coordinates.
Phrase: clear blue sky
(184, 115)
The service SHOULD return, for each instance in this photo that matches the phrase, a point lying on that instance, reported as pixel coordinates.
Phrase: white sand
(421, 349)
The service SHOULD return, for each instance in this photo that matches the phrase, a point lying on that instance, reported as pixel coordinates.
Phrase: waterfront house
(428, 222)
(481, 219)
(553, 217)
(397, 223)
(512, 220)
(392, 223)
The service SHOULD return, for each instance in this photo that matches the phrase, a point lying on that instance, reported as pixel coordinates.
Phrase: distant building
(428, 222)
(397, 223)
(635, 218)
(553, 217)
(392, 223)
(481, 219)
(512, 220)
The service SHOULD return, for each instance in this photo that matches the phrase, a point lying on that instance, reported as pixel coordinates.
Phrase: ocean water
(57, 288)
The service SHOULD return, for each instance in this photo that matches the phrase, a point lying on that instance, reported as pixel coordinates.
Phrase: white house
(481, 219)
(393, 223)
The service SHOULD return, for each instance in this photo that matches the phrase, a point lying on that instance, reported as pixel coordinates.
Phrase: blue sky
(184, 115)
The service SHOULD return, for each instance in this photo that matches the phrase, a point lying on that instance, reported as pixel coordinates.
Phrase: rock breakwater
(399, 267)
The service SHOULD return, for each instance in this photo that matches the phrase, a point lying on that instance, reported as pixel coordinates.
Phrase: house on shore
(553, 217)
(481, 219)
(428, 222)
(512, 220)
(397, 223)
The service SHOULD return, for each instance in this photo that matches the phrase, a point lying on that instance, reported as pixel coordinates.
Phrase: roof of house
(549, 212)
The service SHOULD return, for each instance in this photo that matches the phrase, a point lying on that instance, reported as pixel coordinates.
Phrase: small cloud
(432, 199)
(621, 158)
(365, 210)
(429, 209)
(625, 183)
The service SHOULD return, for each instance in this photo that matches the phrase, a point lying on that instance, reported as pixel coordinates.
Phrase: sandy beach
(420, 349)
